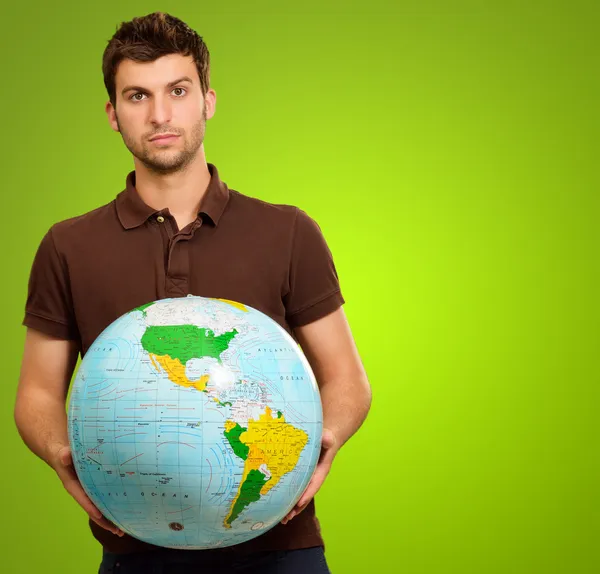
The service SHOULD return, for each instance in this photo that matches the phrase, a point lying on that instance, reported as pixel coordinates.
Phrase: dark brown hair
(147, 38)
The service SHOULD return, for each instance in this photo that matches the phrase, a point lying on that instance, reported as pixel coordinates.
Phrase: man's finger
(72, 485)
(310, 492)
(76, 491)
(307, 497)
(70, 473)
(107, 525)
(65, 457)
(327, 456)
(288, 517)
(295, 511)
(328, 438)
(315, 484)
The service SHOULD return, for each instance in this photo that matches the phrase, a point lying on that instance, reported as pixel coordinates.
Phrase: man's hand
(329, 448)
(62, 462)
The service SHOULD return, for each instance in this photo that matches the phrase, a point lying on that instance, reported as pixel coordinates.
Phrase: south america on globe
(194, 422)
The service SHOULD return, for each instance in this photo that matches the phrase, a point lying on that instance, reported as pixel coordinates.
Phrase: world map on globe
(194, 422)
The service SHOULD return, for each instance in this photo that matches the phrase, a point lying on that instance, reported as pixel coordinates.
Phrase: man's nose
(160, 110)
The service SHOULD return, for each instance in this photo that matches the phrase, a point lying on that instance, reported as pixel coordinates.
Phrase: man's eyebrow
(140, 89)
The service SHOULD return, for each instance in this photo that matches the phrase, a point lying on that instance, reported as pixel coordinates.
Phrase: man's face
(161, 97)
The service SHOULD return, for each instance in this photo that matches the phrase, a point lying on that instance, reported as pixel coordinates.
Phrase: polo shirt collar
(133, 211)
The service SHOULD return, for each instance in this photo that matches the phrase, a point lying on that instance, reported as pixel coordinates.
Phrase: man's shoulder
(275, 219)
(79, 226)
(244, 203)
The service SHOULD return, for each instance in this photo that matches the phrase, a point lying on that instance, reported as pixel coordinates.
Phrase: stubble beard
(166, 161)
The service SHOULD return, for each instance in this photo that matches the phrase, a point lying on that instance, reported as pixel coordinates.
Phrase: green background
(449, 152)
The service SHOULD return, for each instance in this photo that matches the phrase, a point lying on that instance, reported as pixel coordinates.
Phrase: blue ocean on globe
(194, 422)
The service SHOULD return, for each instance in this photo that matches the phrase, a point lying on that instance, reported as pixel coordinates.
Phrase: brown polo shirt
(91, 269)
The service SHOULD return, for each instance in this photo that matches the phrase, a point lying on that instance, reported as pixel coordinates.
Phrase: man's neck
(181, 192)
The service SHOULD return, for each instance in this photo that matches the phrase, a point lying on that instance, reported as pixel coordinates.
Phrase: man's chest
(108, 280)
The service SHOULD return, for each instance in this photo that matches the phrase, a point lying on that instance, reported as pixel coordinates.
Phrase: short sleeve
(49, 306)
(313, 284)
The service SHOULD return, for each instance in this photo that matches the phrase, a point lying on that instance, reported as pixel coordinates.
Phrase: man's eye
(136, 99)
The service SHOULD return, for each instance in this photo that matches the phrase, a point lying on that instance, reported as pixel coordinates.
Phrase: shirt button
(160, 219)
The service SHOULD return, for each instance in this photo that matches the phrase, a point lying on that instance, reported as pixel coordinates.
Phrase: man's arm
(46, 371)
(40, 414)
(345, 390)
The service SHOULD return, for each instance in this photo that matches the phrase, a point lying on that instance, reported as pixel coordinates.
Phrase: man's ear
(210, 100)
(112, 116)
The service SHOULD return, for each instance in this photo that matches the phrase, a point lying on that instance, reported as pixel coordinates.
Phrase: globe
(194, 422)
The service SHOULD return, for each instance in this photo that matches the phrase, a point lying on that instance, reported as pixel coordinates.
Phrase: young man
(177, 229)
